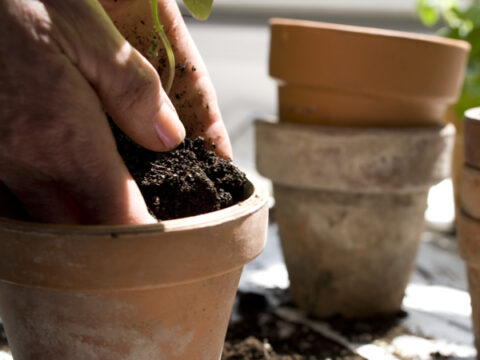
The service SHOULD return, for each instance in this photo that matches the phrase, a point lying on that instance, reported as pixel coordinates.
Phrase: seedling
(200, 9)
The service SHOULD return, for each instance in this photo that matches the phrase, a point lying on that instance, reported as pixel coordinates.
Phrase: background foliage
(461, 24)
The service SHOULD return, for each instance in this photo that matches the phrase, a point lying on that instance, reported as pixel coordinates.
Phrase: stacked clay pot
(359, 142)
(468, 222)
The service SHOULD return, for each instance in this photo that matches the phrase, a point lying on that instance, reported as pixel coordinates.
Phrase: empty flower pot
(162, 291)
(344, 75)
(350, 206)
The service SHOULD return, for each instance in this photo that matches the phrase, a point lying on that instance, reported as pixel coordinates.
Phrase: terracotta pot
(469, 249)
(468, 223)
(350, 206)
(356, 76)
(472, 136)
(163, 291)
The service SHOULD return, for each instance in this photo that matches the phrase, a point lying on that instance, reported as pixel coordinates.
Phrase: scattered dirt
(367, 330)
(187, 181)
(257, 333)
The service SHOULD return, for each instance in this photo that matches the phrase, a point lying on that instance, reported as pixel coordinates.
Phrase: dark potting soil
(257, 332)
(189, 180)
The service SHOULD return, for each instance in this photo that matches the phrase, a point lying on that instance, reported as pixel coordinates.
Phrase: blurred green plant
(461, 24)
(200, 9)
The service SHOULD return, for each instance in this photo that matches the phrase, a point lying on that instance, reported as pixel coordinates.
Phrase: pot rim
(370, 31)
(473, 114)
(424, 69)
(354, 159)
(251, 204)
(123, 258)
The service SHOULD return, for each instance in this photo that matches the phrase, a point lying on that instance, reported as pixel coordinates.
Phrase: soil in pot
(187, 181)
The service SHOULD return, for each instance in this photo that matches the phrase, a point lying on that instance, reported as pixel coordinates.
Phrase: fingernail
(169, 128)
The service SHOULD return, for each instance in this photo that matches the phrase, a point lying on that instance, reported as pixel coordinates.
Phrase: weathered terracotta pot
(469, 249)
(343, 75)
(468, 222)
(163, 291)
(350, 206)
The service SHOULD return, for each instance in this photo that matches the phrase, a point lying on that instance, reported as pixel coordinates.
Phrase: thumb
(126, 83)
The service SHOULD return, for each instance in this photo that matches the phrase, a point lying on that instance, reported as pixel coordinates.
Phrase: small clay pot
(162, 291)
(472, 136)
(469, 249)
(350, 206)
(341, 75)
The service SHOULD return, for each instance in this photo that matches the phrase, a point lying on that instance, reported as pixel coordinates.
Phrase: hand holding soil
(64, 63)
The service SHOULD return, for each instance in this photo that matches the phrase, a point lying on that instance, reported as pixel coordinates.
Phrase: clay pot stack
(358, 143)
(162, 291)
(468, 222)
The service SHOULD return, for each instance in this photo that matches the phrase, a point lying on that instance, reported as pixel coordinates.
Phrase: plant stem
(166, 44)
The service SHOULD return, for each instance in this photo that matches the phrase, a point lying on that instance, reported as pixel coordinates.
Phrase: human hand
(192, 92)
(62, 63)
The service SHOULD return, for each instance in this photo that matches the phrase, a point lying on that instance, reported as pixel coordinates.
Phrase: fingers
(127, 84)
(57, 154)
(66, 169)
(192, 92)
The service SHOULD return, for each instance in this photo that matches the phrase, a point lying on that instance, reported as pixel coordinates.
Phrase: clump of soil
(189, 180)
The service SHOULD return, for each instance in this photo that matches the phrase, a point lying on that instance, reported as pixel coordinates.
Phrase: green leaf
(473, 14)
(200, 9)
(428, 11)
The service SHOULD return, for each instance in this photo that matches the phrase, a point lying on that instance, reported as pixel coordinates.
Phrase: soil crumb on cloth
(187, 181)
(259, 334)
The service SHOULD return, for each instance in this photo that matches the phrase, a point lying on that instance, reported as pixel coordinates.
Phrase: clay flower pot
(350, 206)
(343, 75)
(468, 223)
(469, 249)
(162, 291)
